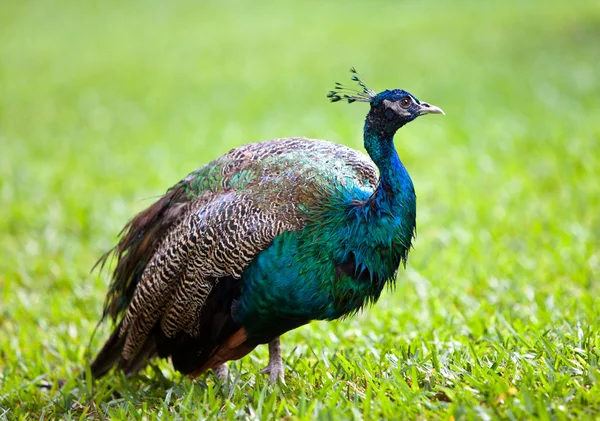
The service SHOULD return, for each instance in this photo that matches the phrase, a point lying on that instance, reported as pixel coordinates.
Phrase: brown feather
(234, 348)
(139, 240)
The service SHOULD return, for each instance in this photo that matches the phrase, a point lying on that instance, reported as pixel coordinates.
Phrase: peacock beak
(426, 108)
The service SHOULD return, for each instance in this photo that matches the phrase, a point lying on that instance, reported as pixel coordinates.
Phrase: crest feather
(341, 92)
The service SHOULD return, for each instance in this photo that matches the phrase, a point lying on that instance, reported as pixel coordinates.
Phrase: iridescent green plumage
(262, 240)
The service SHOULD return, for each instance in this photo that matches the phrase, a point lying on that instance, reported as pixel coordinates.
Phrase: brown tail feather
(139, 240)
(141, 359)
(109, 355)
(234, 348)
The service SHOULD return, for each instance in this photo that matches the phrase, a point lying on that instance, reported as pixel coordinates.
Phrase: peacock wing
(218, 237)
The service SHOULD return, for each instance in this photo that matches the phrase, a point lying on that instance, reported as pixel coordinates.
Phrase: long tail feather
(109, 355)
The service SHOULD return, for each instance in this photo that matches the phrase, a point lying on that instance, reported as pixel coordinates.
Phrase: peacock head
(390, 109)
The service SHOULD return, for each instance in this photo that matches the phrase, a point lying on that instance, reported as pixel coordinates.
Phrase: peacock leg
(222, 372)
(275, 367)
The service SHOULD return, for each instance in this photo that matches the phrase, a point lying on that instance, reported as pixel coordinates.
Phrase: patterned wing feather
(211, 242)
(139, 239)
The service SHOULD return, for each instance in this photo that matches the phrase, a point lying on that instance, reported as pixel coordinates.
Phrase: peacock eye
(405, 102)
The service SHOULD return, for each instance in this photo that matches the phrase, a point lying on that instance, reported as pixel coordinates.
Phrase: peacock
(260, 241)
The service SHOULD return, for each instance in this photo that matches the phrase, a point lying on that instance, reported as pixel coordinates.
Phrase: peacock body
(260, 241)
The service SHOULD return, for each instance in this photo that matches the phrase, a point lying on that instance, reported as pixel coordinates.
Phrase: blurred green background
(104, 105)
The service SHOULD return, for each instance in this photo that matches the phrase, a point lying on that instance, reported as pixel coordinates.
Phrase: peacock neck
(393, 177)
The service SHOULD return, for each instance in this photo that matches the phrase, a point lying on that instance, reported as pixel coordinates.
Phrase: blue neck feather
(393, 177)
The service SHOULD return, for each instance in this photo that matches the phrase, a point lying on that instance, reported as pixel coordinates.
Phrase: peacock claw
(275, 368)
(275, 372)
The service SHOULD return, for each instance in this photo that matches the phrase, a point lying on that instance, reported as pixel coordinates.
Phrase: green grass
(104, 105)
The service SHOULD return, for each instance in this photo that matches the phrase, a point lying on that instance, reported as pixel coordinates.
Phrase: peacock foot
(222, 372)
(275, 372)
(275, 367)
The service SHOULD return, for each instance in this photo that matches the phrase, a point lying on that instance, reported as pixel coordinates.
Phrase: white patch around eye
(395, 106)
(390, 104)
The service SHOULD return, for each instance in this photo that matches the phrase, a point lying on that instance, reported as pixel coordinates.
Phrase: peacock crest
(342, 92)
